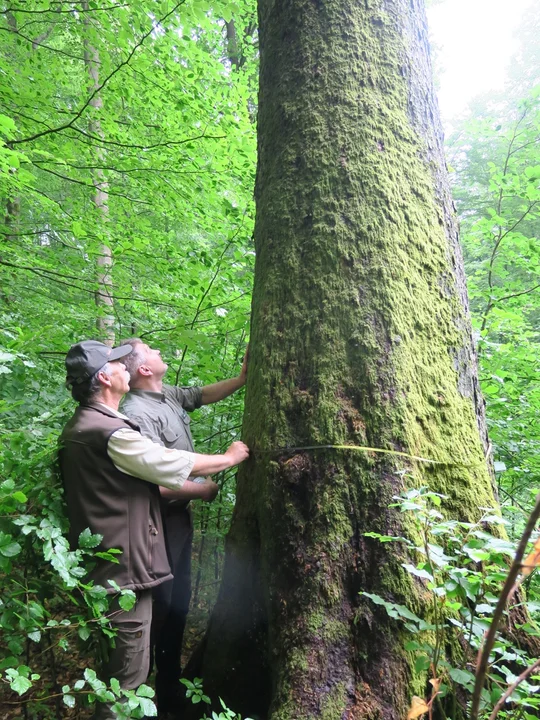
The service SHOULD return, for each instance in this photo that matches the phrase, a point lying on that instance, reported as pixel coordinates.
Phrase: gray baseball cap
(86, 358)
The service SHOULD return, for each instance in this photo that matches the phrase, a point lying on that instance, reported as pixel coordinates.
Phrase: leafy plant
(194, 690)
(462, 566)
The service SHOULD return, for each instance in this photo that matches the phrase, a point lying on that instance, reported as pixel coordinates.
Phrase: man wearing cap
(111, 475)
(160, 412)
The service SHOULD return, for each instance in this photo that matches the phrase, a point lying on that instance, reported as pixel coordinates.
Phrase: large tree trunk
(360, 335)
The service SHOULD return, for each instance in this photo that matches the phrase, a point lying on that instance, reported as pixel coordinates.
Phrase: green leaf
(87, 540)
(115, 687)
(127, 600)
(17, 682)
(148, 706)
(422, 663)
(462, 677)
(413, 570)
(69, 700)
(7, 126)
(108, 555)
(393, 609)
(8, 547)
(83, 632)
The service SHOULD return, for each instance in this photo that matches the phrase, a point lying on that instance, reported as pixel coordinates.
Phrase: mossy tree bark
(360, 335)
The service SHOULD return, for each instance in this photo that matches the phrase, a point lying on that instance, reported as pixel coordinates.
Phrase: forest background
(127, 170)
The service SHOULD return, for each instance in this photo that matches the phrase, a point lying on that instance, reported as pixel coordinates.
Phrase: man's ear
(104, 379)
(145, 371)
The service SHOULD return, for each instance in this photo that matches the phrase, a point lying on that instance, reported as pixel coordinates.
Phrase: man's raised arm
(220, 390)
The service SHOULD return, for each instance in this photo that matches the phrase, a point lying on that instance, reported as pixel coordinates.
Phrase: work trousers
(171, 606)
(129, 660)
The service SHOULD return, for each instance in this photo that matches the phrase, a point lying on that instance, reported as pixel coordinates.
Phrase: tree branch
(522, 292)
(53, 276)
(483, 662)
(524, 675)
(100, 87)
(501, 237)
(59, 11)
(167, 143)
(89, 185)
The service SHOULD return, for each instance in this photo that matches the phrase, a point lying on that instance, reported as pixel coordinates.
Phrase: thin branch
(526, 145)
(501, 237)
(29, 117)
(126, 171)
(514, 571)
(167, 143)
(73, 10)
(524, 675)
(40, 270)
(225, 302)
(47, 231)
(523, 292)
(205, 293)
(100, 87)
(90, 185)
(53, 276)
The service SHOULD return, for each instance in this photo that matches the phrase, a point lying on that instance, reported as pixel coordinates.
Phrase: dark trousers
(128, 659)
(171, 605)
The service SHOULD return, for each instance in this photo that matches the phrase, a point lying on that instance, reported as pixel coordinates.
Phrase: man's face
(153, 361)
(119, 377)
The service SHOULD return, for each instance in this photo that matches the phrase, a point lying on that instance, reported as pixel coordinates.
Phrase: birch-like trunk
(104, 294)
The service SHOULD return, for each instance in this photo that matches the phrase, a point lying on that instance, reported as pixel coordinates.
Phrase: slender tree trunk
(360, 336)
(13, 202)
(104, 294)
(232, 45)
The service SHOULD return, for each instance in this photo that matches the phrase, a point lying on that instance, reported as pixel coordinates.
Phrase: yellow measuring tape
(365, 448)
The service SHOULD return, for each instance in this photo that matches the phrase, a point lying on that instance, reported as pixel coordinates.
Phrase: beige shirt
(140, 457)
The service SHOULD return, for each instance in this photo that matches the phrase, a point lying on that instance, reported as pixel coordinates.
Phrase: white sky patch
(474, 41)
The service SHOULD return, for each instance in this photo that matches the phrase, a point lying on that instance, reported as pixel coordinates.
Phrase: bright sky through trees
(474, 41)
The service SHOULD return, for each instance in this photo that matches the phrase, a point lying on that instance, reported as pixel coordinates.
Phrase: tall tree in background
(495, 155)
(104, 297)
(360, 336)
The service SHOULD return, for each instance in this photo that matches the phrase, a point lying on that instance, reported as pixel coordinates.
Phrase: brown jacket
(123, 509)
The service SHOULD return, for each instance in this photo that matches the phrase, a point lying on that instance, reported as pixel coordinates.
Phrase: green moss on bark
(360, 335)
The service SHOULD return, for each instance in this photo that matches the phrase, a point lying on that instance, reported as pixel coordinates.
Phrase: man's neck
(151, 384)
(108, 398)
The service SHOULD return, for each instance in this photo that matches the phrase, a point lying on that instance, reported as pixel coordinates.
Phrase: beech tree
(360, 337)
